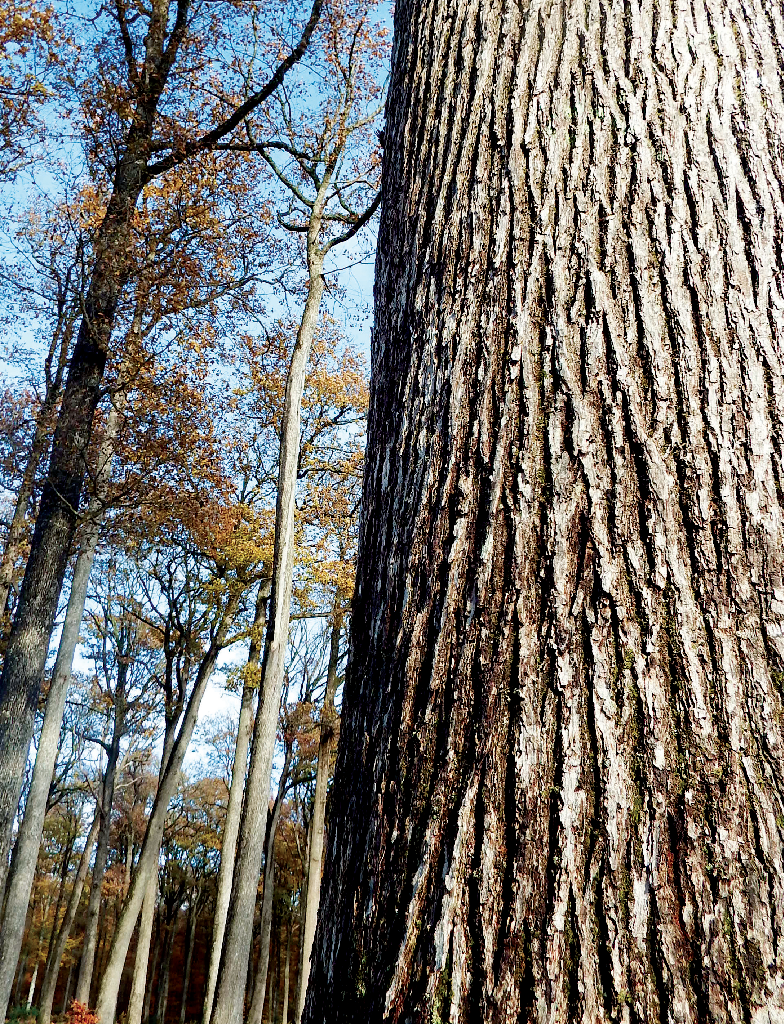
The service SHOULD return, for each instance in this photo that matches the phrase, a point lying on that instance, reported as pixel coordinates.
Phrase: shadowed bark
(560, 792)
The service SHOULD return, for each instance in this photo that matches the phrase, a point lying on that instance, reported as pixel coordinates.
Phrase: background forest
(188, 191)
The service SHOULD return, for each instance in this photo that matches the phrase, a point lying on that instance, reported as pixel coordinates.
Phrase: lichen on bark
(561, 754)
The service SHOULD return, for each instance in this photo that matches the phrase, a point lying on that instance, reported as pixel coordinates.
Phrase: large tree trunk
(236, 791)
(312, 884)
(560, 783)
(233, 972)
(59, 942)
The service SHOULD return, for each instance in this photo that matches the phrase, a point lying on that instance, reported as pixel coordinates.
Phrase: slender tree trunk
(83, 983)
(57, 946)
(232, 975)
(316, 844)
(265, 930)
(149, 970)
(559, 788)
(67, 992)
(138, 1005)
(147, 864)
(162, 992)
(234, 809)
(37, 961)
(190, 942)
(273, 1003)
(286, 970)
(29, 838)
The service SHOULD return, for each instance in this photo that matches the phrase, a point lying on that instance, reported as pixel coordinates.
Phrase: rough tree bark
(236, 791)
(560, 782)
(312, 885)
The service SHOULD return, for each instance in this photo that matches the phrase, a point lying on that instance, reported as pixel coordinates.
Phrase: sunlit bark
(559, 793)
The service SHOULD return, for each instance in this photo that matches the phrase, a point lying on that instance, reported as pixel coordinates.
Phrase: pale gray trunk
(234, 809)
(33, 980)
(232, 975)
(92, 920)
(139, 989)
(265, 930)
(150, 967)
(29, 838)
(86, 967)
(316, 843)
(147, 865)
(139, 1005)
(57, 946)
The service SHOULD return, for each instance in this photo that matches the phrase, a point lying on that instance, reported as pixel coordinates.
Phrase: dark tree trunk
(560, 783)
(162, 993)
(190, 940)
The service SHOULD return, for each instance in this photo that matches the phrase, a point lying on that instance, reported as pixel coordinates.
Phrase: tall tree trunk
(233, 971)
(55, 525)
(190, 942)
(151, 966)
(234, 809)
(147, 864)
(84, 981)
(265, 930)
(273, 1003)
(139, 1004)
(316, 844)
(58, 944)
(559, 793)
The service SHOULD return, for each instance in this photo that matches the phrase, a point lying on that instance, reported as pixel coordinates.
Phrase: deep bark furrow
(562, 721)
